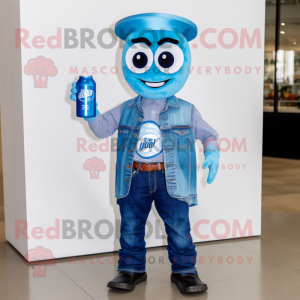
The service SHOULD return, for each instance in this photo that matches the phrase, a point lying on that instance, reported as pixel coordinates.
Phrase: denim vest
(175, 123)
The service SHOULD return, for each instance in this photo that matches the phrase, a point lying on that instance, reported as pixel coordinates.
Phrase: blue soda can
(86, 97)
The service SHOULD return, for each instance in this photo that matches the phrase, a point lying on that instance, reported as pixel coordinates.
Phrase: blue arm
(211, 161)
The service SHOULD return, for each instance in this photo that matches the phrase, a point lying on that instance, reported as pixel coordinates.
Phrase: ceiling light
(295, 43)
(282, 32)
(282, 24)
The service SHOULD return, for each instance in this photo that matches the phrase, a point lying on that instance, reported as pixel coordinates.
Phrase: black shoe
(127, 281)
(188, 283)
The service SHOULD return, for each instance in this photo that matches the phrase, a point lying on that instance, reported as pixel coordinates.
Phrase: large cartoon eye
(166, 60)
(139, 58)
(169, 58)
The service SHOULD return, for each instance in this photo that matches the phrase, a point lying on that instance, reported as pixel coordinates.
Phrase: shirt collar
(171, 101)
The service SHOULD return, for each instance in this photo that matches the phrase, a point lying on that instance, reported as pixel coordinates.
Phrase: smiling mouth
(155, 84)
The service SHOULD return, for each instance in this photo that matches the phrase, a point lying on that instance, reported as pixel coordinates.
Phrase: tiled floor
(266, 267)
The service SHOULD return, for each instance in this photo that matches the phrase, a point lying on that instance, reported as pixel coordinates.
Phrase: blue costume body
(156, 127)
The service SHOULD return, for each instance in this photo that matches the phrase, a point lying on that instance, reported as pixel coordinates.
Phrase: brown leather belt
(148, 167)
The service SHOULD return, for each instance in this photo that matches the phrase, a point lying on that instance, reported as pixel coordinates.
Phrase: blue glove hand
(211, 161)
(73, 92)
(73, 98)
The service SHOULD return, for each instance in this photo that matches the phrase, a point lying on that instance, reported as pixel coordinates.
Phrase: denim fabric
(148, 187)
(176, 125)
(104, 125)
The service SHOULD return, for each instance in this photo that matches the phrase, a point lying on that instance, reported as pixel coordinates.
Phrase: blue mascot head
(156, 57)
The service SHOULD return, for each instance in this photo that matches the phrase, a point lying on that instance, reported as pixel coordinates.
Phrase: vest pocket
(181, 136)
(123, 137)
(181, 131)
(123, 131)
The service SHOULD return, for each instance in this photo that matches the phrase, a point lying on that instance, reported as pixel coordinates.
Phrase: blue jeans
(147, 187)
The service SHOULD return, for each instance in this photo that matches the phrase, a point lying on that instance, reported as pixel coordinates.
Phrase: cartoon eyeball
(139, 58)
(169, 58)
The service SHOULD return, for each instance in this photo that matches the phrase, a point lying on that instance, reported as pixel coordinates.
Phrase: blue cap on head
(156, 21)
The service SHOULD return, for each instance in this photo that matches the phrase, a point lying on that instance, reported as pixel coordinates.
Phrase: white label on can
(86, 95)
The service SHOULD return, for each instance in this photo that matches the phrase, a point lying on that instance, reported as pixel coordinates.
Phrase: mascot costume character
(156, 156)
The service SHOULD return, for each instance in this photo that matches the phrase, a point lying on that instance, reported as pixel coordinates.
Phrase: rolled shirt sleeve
(105, 125)
(203, 131)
